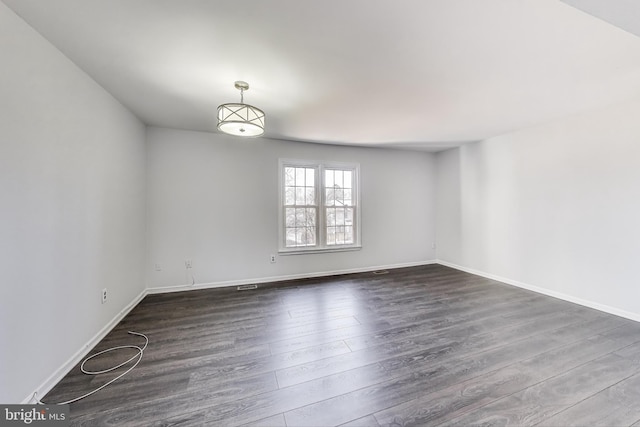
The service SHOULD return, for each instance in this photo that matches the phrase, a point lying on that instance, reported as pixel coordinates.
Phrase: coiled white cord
(138, 355)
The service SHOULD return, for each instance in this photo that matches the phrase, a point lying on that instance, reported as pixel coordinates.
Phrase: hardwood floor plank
(618, 405)
(194, 400)
(476, 392)
(387, 349)
(540, 402)
(426, 370)
(285, 399)
(250, 366)
(631, 352)
(368, 421)
(296, 343)
(274, 421)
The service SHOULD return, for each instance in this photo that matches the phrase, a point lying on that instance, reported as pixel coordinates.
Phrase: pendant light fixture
(241, 119)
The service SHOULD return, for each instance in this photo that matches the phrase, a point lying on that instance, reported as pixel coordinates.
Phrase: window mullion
(321, 201)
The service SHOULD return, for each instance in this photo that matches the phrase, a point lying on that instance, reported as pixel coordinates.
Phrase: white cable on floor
(138, 355)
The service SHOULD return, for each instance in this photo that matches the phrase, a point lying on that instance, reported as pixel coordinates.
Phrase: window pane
(305, 217)
(310, 217)
(339, 196)
(299, 196)
(302, 236)
(348, 235)
(300, 217)
(339, 216)
(347, 179)
(348, 216)
(328, 178)
(331, 235)
(338, 179)
(331, 216)
(290, 196)
(300, 175)
(347, 198)
(310, 195)
(290, 217)
(310, 236)
(311, 178)
(290, 238)
(289, 176)
(330, 197)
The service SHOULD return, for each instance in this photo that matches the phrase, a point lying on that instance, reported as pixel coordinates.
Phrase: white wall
(214, 199)
(555, 208)
(72, 183)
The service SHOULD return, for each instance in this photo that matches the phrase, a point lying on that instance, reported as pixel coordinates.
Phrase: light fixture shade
(240, 119)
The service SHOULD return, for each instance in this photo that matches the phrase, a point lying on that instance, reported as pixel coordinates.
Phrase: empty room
(319, 213)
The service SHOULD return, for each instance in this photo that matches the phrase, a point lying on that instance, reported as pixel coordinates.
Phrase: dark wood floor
(417, 346)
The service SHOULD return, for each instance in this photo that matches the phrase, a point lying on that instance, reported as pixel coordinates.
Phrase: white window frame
(321, 228)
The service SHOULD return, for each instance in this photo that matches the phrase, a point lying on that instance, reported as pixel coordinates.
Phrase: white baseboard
(586, 303)
(50, 382)
(233, 283)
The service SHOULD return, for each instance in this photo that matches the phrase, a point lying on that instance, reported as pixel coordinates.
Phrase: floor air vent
(381, 272)
(246, 287)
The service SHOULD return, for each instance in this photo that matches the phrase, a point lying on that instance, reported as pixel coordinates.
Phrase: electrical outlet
(187, 263)
(104, 295)
(272, 259)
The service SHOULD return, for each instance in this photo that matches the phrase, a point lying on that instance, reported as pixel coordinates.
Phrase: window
(319, 208)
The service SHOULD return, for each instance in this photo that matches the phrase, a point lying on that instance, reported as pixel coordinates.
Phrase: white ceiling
(422, 74)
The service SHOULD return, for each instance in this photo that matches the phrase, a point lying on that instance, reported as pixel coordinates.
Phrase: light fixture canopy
(241, 119)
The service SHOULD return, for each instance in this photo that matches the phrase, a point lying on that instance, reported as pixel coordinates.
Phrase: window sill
(318, 250)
